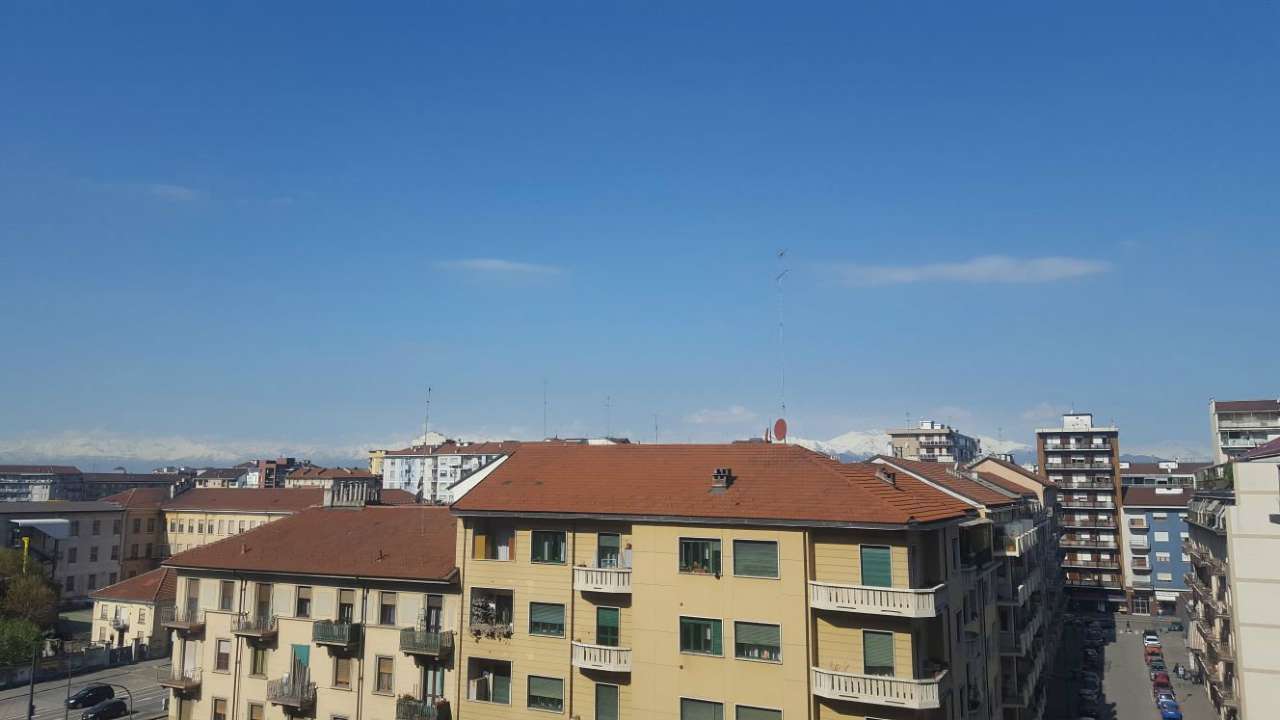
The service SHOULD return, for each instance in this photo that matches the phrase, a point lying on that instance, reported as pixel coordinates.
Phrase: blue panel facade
(1167, 530)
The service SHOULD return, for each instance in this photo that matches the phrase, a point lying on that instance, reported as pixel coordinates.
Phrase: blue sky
(257, 226)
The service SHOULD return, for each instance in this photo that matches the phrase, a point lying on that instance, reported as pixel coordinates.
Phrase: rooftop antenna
(782, 353)
(544, 408)
(608, 416)
(655, 428)
(426, 418)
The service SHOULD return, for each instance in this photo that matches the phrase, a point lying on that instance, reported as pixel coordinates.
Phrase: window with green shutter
(877, 569)
(606, 702)
(548, 546)
(877, 652)
(742, 712)
(608, 626)
(699, 556)
(700, 635)
(546, 693)
(700, 710)
(546, 619)
(757, 641)
(755, 558)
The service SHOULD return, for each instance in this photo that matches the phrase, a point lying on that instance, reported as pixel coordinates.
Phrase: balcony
(418, 641)
(1086, 485)
(1074, 542)
(1069, 561)
(183, 680)
(601, 657)
(602, 580)
(119, 623)
(416, 707)
(187, 618)
(1076, 467)
(1075, 580)
(1140, 563)
(1086, 504)
(1138, 523)
(336, 633)
(1016, 545)
(1056, 447)
(1019, 596)
(255, 627)
(922, 694)
(1139, 542)
(297, 693)
(1103, 523)
(871, 600)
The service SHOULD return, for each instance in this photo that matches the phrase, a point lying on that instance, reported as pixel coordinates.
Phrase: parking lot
(1126, 686)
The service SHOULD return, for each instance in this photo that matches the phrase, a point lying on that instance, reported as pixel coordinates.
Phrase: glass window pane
(606, 702)
(698, 635)
(750, 713)
(755, 641)
(877, 570)
(546, 619)
(700, 556)
(700, 710)
(877, 652)
(754, 558)
(548, 546)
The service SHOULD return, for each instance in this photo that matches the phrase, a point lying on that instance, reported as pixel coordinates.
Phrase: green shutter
(750, 713)
(877, 569)
(717, 648)
(546, 687)
(877, 652)
(546, 614)
(700, 710)
(700, 636)
(501, 689)
(606, 702)
(608, 626)
(756, 634)
(755, 558)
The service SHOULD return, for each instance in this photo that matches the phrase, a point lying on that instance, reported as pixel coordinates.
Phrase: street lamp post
(128, 692)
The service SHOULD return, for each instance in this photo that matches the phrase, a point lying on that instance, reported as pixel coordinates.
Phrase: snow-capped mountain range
(862, 444)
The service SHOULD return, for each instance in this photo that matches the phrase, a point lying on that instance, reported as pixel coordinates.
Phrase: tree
(29, 597)
(19, 640)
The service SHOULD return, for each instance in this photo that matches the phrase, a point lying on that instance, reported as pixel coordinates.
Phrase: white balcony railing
(919, 694)
(1139, 542)
(601, 657)
(1018, 596)
(603, 580)
(871, 600)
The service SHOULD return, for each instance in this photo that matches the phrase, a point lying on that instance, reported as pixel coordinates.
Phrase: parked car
(1176, 626)
(1168, 705)
(1153, 652)
(90, 695)
(1150, 638)
(1157, 666)
(1164, 695)
(1170, 715)
(106, 710)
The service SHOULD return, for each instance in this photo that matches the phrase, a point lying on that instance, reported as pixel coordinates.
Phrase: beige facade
(122, 623)
(191, 528)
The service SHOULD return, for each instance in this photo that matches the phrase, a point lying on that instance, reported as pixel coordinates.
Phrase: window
(226, 594)
(546, 619)
(700, 710)
(548, 546)
(257, 660)
(102, 612)
(700, 636)
(755, 558)
(219, 709)
(608, 626)
(70, 584)
(384, 680)
(115, 552)
(546, 693)
(608, 550)
(137, 525)
(346, 605)
(302, 603)
(220, 527)
(342, 672)
(1184, 535)
(1162, 557)
(115, 527)
(1160, 515)
(387, 608)
(256, 712)
(491, 542)
(241, 526)
(75, 528)
(742, 712)
(489, 681)
(133, 551)
(71, 555)
(606, 702)
(1165, 577)
(93, 581)
(93, 553)
(97, 527)
(173, 526)
(111, 579)
(877, 566)
(151, 525)
(757, 641)
(1186, 557)
(222, 656)
(142, 616)
(877, 652)
(699, 556)
(1162, 536)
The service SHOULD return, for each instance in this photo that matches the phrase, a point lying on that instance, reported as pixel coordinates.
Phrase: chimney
(721, 479)
(886, 475)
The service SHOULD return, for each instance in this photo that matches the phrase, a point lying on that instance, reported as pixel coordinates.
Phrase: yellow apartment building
(347, 610)
(749, 581)
(127, 614)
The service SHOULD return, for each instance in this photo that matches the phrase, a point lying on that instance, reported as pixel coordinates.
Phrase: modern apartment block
(933, 441)
(127, 614)
(433, 471)
(38, 483)
(1164, 473)
(347, 610)
(314, 476)
(77, 542)
(1238, 426)
(1235, 583)
(751, 581)
(1083, 460)
(1154, 529)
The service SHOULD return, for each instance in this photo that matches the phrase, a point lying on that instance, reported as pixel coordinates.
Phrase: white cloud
(495, 265)
(721, 416)
(985, 269)
(1168, 450)
(993, 445)
(173, 192)
(1044, 411)
(88, 445)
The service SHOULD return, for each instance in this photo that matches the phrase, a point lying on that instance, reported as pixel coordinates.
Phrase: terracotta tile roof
(1140, 496)
(942, 474)
(136, 498)
(312, 472)
(275, 500)
(1034, 477)
(406, 542)
(57, 507)
(1006, 485)
(154, 586)
(771, 482)
(1247, 405)
(1265, 450)
(39, 470)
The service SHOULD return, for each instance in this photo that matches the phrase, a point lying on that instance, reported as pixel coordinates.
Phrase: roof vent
(722, 478)
(884, 474)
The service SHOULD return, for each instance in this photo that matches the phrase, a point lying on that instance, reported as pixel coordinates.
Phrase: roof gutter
(691, 520)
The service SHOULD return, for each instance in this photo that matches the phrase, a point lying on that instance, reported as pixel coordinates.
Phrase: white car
(1151, 642)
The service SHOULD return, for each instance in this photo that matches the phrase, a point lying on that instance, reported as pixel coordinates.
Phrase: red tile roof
(771, 482)
(1247, 405)
(1034, 477)
(137, 498)
(400, 542)
(943, 474)
(154, 586)
(311, 472)
(1268, 449)
(1140, 496)
(274, 500)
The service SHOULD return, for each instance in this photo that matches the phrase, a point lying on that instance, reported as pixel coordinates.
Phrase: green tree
(19, 640)
(30, 598)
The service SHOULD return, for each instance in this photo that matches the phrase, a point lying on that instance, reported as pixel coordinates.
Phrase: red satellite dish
(780, 430)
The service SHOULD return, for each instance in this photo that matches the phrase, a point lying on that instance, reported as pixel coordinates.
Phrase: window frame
(377, 675)
(680, 636)
(736, 656)
(737, 706)
(383, 605)
(337, 663)
(595, 699)
(534, 547)
(256, 650)
(716, 559)
(563, 620)
(528, 694)
(680, 705)
(218, 656)
(892, 650)
(298, 600)
(777, 564)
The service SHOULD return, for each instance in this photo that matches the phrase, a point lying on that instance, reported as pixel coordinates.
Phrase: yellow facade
(122, 623)
(186, 529)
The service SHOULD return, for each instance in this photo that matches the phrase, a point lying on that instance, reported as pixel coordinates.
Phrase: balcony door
(608, 623)
(608, 550)
(434, 613)
(346, 606)
(877, 653)
(262, 601)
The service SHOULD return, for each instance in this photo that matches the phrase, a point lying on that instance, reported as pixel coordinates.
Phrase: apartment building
(38, 483)
(1028, 579)
(77, 542)
(313, 476)
(752, 581)
(98, 486)
(1083, 460)
(1003, 467)
(1238, 426)
(143, 541)
(1163, 473)
(346, 610)
(432, 471)
(933, 441)
(128, 613)
(221, 477)
(1234, 523)
(269, 473)
(1154, 529)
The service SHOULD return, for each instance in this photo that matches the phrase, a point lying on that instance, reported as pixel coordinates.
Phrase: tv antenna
(608, 416)
(782, 353)
(544, 408)
(426, 418)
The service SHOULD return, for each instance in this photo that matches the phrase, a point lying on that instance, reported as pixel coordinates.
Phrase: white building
(37, 483)
(1238, 426)
(431, 470)
(933, 441)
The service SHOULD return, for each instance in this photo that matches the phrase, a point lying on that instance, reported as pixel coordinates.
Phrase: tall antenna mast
(608, 416)
(544, 408)
(782, 353)
(655, 428)
(426, 418)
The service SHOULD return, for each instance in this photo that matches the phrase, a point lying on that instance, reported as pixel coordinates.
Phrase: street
(140, 679)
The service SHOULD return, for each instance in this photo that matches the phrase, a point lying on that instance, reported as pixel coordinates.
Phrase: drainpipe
(573, 600)
(810, 646)
(364, 611)
(462, 605)
(235, 679)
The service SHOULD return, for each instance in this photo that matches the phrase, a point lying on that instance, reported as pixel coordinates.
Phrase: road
(148, 696)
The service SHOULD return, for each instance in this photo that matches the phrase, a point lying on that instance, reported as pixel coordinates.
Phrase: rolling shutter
(877, 569)
(756, 634)
(700, 710)
(877, 652)
(546, 687)
(755, 559)
(750, 713)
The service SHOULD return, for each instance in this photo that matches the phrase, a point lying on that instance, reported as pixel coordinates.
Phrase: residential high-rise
(1083, 460)
(1155, 524)
(932, 441)
(1162, 473)
(1238, 426)
(432, 471)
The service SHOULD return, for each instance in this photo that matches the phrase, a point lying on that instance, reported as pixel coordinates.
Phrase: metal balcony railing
(419, 641)
(336, 633)
(254, 625)
(183, 618)
(294, 692)
(178, 678)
